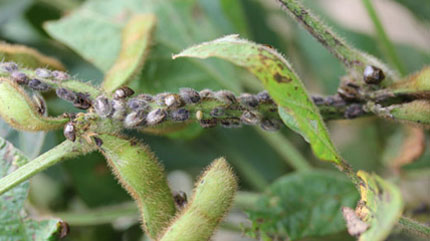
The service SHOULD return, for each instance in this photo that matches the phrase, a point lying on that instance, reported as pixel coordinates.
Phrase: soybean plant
(109, 111)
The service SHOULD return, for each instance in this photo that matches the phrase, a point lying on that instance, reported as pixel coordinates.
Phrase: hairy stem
(65, 150)
(385, 43)
(348, 55)
(415, 227)
(354, 60)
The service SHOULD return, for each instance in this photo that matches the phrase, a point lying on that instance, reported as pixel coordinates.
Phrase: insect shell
(146, 97)
(264, 97)
(38, 85)
(70, 131)
(180, 114)
(122, 93)
(181, 199)
(82, 101)
(373, 75)
(60, 75)
(19, 77)
(230, 123)
(270, 124)
(249, 118)
(135, 118)
(189, 95)
(217, 112)
(43, 73)
(159, 98)
(102, 106)
(208, 123)
(354, 111)
(226, 97)
(40, 103)
(248, 100)
(66, 94)
(173, 100)
(9, 66)
(137, 104)
(119, 109)
(318, 100)
(97, 141)
(156, 116)
(206, 93)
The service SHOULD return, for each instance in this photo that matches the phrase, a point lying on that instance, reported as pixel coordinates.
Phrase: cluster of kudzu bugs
(146, 110)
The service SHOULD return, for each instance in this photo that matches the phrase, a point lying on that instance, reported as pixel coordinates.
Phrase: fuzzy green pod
(415, 112)
(18, 110)
(212, 199)
(139, 172)
(417, 84)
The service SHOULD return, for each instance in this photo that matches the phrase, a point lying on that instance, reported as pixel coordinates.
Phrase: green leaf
(136, 38)
(303, 205)
(294, 105)
(102, 21)
(14, 223)
(380, 206)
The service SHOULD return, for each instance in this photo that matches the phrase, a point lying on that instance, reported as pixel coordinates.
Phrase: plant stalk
(385, 43)
(65, 150)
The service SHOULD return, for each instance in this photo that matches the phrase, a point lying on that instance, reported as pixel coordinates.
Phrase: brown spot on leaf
(280, 78)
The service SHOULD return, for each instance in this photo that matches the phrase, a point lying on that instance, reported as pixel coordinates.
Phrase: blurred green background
(86, 183)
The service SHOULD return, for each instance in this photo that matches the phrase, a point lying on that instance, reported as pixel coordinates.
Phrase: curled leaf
(380, 206)
(213, 197)
(413, 146)
(19, 111)
(139, 172)
(28, 57)
(136, 39)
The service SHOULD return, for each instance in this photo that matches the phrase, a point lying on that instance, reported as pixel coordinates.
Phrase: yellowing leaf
(380, 206)
(136, 39)
(28, 57)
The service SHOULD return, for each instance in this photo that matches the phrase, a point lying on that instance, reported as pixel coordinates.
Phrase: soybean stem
(385, 43)
(66, 149)
(415, 227)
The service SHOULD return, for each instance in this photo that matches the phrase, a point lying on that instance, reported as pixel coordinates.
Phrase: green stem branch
(385, 43)
(63, 151)
(415, 227)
